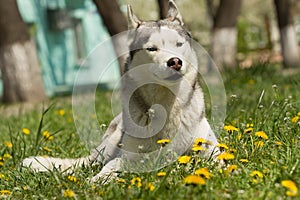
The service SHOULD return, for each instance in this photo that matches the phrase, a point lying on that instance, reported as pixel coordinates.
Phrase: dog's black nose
(175, 63)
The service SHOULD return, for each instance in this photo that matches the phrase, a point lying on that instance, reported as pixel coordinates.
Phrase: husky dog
(161, 99)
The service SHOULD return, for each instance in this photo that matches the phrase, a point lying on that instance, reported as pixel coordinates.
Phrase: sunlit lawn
(261, 140)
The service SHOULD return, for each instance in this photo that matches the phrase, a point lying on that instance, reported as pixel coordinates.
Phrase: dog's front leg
(207, 133)
(109, 171)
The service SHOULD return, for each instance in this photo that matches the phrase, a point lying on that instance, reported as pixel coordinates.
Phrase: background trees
(224, 33)
(288, 40)
(252, 22)
(20, 70)
(115, 22)
(163, 8)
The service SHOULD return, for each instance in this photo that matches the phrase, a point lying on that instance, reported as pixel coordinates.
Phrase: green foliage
(259, 99)
(250, 37)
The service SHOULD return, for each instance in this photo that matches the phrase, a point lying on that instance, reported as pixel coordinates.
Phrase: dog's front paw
(108, 172)
(103, 178)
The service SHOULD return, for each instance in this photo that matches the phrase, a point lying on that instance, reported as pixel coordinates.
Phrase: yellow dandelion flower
(243, 160)
(121, 180)
(69, 193)
(163, 141)
(72, 178)
(261, 134)
(61, 112)
(291, 193)
(2, 176)
(248, 130)
(47, 149)
(5, 192)
(136, 181)
(278, 143)
(25, 188)
(149, 186)
(222, 146)
(230, 128)
(26, 131)
(8, 144)
(194, 180)
(251, 81)
(203, 172)
(249, 125)
(232, 150)
(225, 156)
(184, 159)
(239, 136)
(259, 144)
(232, 168)
(47, 135)
(256, 174)
(6, 156)
(291, 187)
(197, 148)
(289, 184)
(199, 141)
(161, 174)
(255, 180)
(1, 164)
(295, 119)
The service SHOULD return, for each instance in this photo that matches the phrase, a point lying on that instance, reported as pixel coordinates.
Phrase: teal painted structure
(66, 32)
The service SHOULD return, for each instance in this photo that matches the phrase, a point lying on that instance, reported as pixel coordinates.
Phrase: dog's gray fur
(171, 106)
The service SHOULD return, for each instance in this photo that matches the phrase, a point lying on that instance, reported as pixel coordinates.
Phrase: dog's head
(164, 43)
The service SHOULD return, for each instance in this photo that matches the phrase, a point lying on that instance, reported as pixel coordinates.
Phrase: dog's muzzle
(175, 63)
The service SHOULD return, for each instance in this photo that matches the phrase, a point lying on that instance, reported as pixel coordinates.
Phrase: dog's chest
(161, 123)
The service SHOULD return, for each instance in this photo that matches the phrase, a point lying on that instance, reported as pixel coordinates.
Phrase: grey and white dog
(161, 99)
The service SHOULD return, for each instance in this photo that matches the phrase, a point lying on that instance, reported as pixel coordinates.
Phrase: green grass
(261, 96)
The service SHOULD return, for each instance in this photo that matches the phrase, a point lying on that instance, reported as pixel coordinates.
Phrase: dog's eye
(152, 49)
(179, 44)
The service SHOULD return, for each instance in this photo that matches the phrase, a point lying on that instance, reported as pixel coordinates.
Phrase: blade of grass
(39, 131)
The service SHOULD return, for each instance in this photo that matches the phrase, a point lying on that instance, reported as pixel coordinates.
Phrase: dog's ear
(133, 21)
(173, 13)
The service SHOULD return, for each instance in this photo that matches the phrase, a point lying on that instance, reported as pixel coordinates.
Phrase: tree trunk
(224, 33)
(19, 65)
(115, 22)
(163, 8)
(288, 40)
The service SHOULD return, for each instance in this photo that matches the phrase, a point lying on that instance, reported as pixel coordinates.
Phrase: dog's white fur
(179, 102)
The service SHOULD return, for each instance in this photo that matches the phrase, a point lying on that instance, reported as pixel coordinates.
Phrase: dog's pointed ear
(133, 21)
(173, 13)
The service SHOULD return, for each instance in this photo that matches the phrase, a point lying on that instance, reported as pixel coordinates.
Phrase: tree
(19, 65)
(115, 22)
(163, 8)
(288, 40)
(224, 32)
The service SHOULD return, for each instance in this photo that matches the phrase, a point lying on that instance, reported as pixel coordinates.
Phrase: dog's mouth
(174, 76)
(168, 74)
